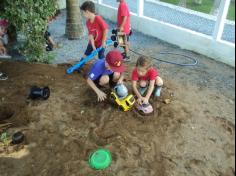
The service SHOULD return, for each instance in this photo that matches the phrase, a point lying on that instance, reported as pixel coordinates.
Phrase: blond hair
(144, 61)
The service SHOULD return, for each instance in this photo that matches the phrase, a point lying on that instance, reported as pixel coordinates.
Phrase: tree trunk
(74, 28)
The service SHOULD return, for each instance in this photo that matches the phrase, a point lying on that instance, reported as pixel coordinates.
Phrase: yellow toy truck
(124, 103)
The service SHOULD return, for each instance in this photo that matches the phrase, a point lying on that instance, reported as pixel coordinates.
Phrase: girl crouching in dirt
(147, 76)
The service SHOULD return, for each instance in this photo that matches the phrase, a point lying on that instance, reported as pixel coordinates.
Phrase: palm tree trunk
(74, 28)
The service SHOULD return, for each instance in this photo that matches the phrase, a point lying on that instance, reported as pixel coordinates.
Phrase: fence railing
(210, 45)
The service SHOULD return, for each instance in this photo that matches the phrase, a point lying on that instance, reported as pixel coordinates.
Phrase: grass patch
(205, 7)
(231, 12)
(175, 2)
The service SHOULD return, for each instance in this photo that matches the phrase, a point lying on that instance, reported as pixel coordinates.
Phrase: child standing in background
(123, 24)
(97, 29)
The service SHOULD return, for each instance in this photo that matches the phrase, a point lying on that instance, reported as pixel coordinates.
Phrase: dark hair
(88, 5)
(144, 61)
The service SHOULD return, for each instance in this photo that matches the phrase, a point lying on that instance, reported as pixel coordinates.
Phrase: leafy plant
(4, 138)
(30, 18)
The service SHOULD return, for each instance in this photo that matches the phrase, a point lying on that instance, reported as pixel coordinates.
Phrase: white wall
(186, 39)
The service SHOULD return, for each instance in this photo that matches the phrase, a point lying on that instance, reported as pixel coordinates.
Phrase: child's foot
(142, 90)
(3, 76)
(157, 92)
(127, 59)
(49, 48)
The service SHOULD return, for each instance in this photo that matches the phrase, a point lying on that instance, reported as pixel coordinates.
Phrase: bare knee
(104, 80)
(159, 81)
(142, 83)
(116, 76)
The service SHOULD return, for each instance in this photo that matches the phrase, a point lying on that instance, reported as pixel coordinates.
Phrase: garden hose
(195, 62)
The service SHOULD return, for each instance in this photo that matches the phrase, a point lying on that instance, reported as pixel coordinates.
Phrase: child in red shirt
(97, 29)
(123, 24)
(148, 78)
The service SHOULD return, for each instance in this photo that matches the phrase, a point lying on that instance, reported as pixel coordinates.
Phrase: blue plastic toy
(86, 59)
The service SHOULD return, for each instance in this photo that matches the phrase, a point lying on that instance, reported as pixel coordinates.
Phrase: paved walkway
(72, 50)
(190, 21)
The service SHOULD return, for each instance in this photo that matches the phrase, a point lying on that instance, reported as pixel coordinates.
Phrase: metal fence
(179, 16)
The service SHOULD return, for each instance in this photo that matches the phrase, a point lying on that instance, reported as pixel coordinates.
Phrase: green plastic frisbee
(100, 159)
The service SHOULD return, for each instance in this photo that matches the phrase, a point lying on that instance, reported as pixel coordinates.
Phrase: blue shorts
(89, 50)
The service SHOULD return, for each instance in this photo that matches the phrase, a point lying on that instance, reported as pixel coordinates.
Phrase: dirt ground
(193, 135)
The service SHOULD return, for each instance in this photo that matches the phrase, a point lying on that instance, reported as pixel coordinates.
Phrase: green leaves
(30, 19)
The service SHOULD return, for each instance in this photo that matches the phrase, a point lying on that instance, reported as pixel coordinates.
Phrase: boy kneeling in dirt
(106, 71)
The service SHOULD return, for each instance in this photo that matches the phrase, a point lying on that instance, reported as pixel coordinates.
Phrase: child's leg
(143, 85)
(127, 46)
(126, 50)
(51, 41)
(159, 84)
(116, 76)
(101, 54)
(104, 80)
(88, 51)
(2, 50)
(114, 79)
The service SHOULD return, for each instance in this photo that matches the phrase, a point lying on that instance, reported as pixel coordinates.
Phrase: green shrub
(30, 18)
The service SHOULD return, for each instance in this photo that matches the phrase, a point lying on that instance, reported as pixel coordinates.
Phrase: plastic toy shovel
(86, 59)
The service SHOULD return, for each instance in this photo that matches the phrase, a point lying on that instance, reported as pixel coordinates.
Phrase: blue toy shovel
(86, 59)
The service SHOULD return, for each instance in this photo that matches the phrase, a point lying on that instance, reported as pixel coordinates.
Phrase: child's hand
(139, 101)
(101, 96)
(142, 100)
(145, 100)
(103, 45)
(120, 81)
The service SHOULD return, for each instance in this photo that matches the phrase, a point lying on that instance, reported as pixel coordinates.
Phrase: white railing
(211, 46)
(221, 18)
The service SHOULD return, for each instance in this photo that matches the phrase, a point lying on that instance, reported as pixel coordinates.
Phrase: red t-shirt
(151, 74)
(123, 11)
(96, 29)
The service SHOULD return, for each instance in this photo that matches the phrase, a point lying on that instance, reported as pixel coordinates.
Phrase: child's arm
(104, 38)
(120, 81)
(136, 92)
(91, 39)
(150, 90)
(101, 95)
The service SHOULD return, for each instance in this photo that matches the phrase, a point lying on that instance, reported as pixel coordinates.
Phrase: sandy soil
(193, 135)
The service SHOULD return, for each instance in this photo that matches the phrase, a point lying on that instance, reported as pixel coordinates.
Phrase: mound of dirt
(191, 132)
